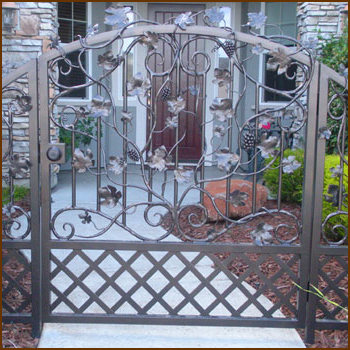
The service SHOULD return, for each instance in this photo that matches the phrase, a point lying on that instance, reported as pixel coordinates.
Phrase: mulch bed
(19, 335)
(241, 234)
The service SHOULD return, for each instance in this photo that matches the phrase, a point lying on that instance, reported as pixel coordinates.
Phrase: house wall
(37, 24)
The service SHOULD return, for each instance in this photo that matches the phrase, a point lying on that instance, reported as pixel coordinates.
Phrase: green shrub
(20, 192)
(335, 50)
(331, 162)
(292, 184)
(86, 125)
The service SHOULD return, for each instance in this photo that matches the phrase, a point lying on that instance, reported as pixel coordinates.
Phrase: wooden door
(190, 147)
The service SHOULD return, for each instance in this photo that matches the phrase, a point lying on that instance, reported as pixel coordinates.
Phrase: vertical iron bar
(229, 145)
(45, 195)
(202, 171)
(150, 118)
(318, 118)
(74, 173)
(36, 257)
(255, 164)
(340, 195)
(178, 88)
(98, 157)
(150, 170)
(125, 131)
(280, 172)
(10, 121)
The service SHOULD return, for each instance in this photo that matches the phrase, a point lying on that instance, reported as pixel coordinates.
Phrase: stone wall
(322, 19)
(37, 22)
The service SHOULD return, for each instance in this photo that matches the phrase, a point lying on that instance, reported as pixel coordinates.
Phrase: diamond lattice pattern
(170, 283)
(16, 282)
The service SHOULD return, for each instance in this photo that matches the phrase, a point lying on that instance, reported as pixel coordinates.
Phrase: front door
(189, 124)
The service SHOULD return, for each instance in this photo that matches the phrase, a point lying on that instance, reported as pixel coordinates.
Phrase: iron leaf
(222, 109)
(256, 20)
(82, 161)
(237, 198)
(184, 20)
(110, 196)
(215, 15)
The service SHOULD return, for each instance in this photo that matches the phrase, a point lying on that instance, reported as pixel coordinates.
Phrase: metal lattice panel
(16, 282)
(198, 282)
(333, 282)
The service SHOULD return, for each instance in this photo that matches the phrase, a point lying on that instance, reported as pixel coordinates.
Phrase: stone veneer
(322, 19)
(36, 25)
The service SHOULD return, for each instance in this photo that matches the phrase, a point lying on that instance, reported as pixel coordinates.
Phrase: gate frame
(34, 244)
(40, 245)
(317, 249)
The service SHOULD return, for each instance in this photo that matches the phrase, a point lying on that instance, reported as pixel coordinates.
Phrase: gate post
(35, 203)
(45, 194)
(316, 248)
(308, 191)
(22, 243)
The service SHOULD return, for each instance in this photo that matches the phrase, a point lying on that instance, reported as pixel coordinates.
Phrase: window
(72, 19)
(283, 15)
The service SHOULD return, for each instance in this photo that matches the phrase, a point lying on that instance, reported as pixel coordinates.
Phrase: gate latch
(56, 153)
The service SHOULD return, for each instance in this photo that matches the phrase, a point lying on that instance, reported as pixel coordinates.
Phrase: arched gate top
(169, 29)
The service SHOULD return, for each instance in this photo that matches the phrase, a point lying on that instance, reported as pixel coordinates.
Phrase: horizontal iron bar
(16, 244)
(329, 73)
(175, 320)
(176, 247)
(324, 324)
(333, 250)
(17, 73)
(17, 318)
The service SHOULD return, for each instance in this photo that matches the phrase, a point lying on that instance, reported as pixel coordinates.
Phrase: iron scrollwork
(335, 224)
(254, 134)
(16, 164)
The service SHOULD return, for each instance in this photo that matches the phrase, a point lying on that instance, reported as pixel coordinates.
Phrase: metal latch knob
(54, 153)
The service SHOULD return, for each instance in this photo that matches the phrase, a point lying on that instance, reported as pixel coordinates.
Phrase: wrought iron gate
(143, 253)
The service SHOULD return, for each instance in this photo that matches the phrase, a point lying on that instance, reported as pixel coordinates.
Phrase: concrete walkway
(57, 335)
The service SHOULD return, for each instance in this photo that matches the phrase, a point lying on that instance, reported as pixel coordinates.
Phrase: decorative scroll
(335, 219)
(15, 165)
